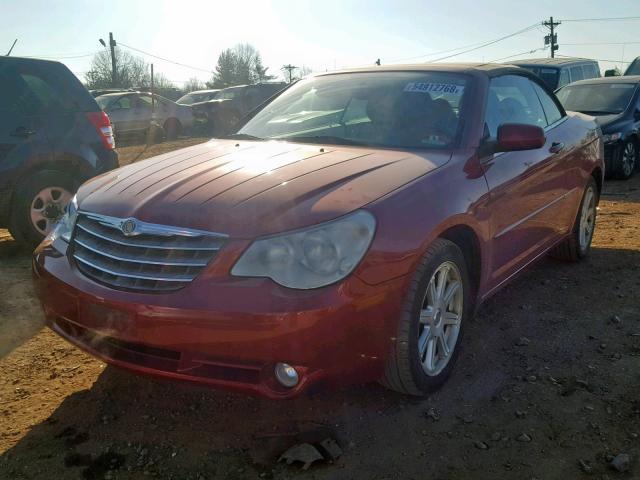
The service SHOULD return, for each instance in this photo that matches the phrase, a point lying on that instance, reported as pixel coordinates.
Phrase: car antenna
(13, 45)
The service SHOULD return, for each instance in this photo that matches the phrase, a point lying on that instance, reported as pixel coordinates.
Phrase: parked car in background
(615, 102)
(53, 137)
(633, 68)
(96, 92)
(364, 213)
(557, 72)
(131, 113)
(231, 104)
(198, 96)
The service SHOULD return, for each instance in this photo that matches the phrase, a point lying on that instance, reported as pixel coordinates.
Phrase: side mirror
(516, 136)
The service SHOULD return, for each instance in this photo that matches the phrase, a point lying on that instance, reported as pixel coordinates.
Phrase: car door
(141, 112)
(23, 136)
(120, 112)
(526, 187)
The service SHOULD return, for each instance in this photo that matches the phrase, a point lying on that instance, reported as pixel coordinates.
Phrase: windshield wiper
(324, 139)
(599, 112)
(241, 136)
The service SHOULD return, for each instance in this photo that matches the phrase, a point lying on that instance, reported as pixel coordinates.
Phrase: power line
(57, 57)
(600, 43)
(165, 59)
(517, 54)
(471, 47)
(598, 59)
(609, 19)
(526, 29)
(435, 53)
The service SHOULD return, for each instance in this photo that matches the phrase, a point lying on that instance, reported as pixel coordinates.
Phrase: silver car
(132, 113)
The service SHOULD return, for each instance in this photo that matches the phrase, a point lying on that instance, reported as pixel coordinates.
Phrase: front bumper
(226, 332)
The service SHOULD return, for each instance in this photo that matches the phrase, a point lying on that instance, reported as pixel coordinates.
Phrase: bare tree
(131, 71)
(192, 85)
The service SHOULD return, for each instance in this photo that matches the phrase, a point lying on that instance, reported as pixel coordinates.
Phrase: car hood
(250, 188)
(606, 119)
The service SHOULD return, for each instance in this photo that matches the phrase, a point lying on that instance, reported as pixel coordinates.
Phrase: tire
(172, 128)
(30, 197)
(406, 369)
(576, 247)
(626, 160)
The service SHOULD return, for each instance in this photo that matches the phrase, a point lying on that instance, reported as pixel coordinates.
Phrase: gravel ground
(547, 387)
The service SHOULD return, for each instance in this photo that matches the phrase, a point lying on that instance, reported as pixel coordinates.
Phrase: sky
(321, 34)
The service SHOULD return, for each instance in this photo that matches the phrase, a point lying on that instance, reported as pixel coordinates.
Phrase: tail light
(101, 122)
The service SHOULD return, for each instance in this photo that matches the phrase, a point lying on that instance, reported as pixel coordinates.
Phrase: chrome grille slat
(94, 249)
(152, 258)
(141, 276)
(130, 243)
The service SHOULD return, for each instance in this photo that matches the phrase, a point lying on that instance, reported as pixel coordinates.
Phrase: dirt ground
(547, 387)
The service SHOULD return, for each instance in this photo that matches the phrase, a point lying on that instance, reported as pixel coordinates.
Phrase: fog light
(286, 375)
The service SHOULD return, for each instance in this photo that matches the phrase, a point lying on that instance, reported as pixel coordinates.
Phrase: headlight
(64, 227)
(313, 257)
(611, 137)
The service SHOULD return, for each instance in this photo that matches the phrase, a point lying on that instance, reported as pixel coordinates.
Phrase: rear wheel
(578, 245)
(431, 326)
(38, 203)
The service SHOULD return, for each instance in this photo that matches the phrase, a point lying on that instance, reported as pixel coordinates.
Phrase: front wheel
(431, 326)
(626, 161)
(578, 245)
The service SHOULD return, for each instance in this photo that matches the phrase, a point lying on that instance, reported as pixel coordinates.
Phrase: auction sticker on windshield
(424, 87)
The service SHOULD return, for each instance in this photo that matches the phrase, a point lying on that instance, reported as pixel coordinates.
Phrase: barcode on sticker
(449, 88)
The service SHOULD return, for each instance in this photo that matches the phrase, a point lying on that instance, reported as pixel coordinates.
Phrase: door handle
(22, 132)
(556, 147)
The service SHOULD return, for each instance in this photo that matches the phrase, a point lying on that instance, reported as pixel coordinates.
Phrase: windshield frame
(465, 108)
(634, 90)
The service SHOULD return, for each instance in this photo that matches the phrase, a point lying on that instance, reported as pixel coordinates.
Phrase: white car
(132, 113)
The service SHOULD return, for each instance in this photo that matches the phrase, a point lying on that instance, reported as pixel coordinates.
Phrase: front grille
(150, 257)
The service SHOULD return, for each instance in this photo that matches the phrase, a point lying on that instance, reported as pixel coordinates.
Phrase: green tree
(240, 65)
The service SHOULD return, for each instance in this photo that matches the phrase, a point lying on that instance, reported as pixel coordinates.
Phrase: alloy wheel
(587, 218)
(628, 159)
(47, 207)
(440, 318)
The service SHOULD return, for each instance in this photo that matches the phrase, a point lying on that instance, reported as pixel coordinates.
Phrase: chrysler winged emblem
(128, 227)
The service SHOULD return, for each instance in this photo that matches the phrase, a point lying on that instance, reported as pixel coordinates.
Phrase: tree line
(238, 65)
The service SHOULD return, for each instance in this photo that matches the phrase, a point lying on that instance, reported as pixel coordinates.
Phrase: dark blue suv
(53, 137)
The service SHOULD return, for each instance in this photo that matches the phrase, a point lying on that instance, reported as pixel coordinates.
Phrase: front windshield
(597, 98)
(385, 109)
(103, 102)
(634, 68)
(191, 98)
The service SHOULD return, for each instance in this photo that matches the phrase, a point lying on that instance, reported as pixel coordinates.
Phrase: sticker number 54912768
(424, 87)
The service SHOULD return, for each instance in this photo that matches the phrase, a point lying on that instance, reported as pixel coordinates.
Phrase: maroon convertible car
(346, 233)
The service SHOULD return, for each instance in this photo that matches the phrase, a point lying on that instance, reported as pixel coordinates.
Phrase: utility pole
(289, 68)
(114, 72)
(153, 103)
(552, 38)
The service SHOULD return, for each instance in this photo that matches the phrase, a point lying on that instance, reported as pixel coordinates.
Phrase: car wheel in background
(626, 160)
(172, 128)
(432, 322)
(38, 203)
(578, 245)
